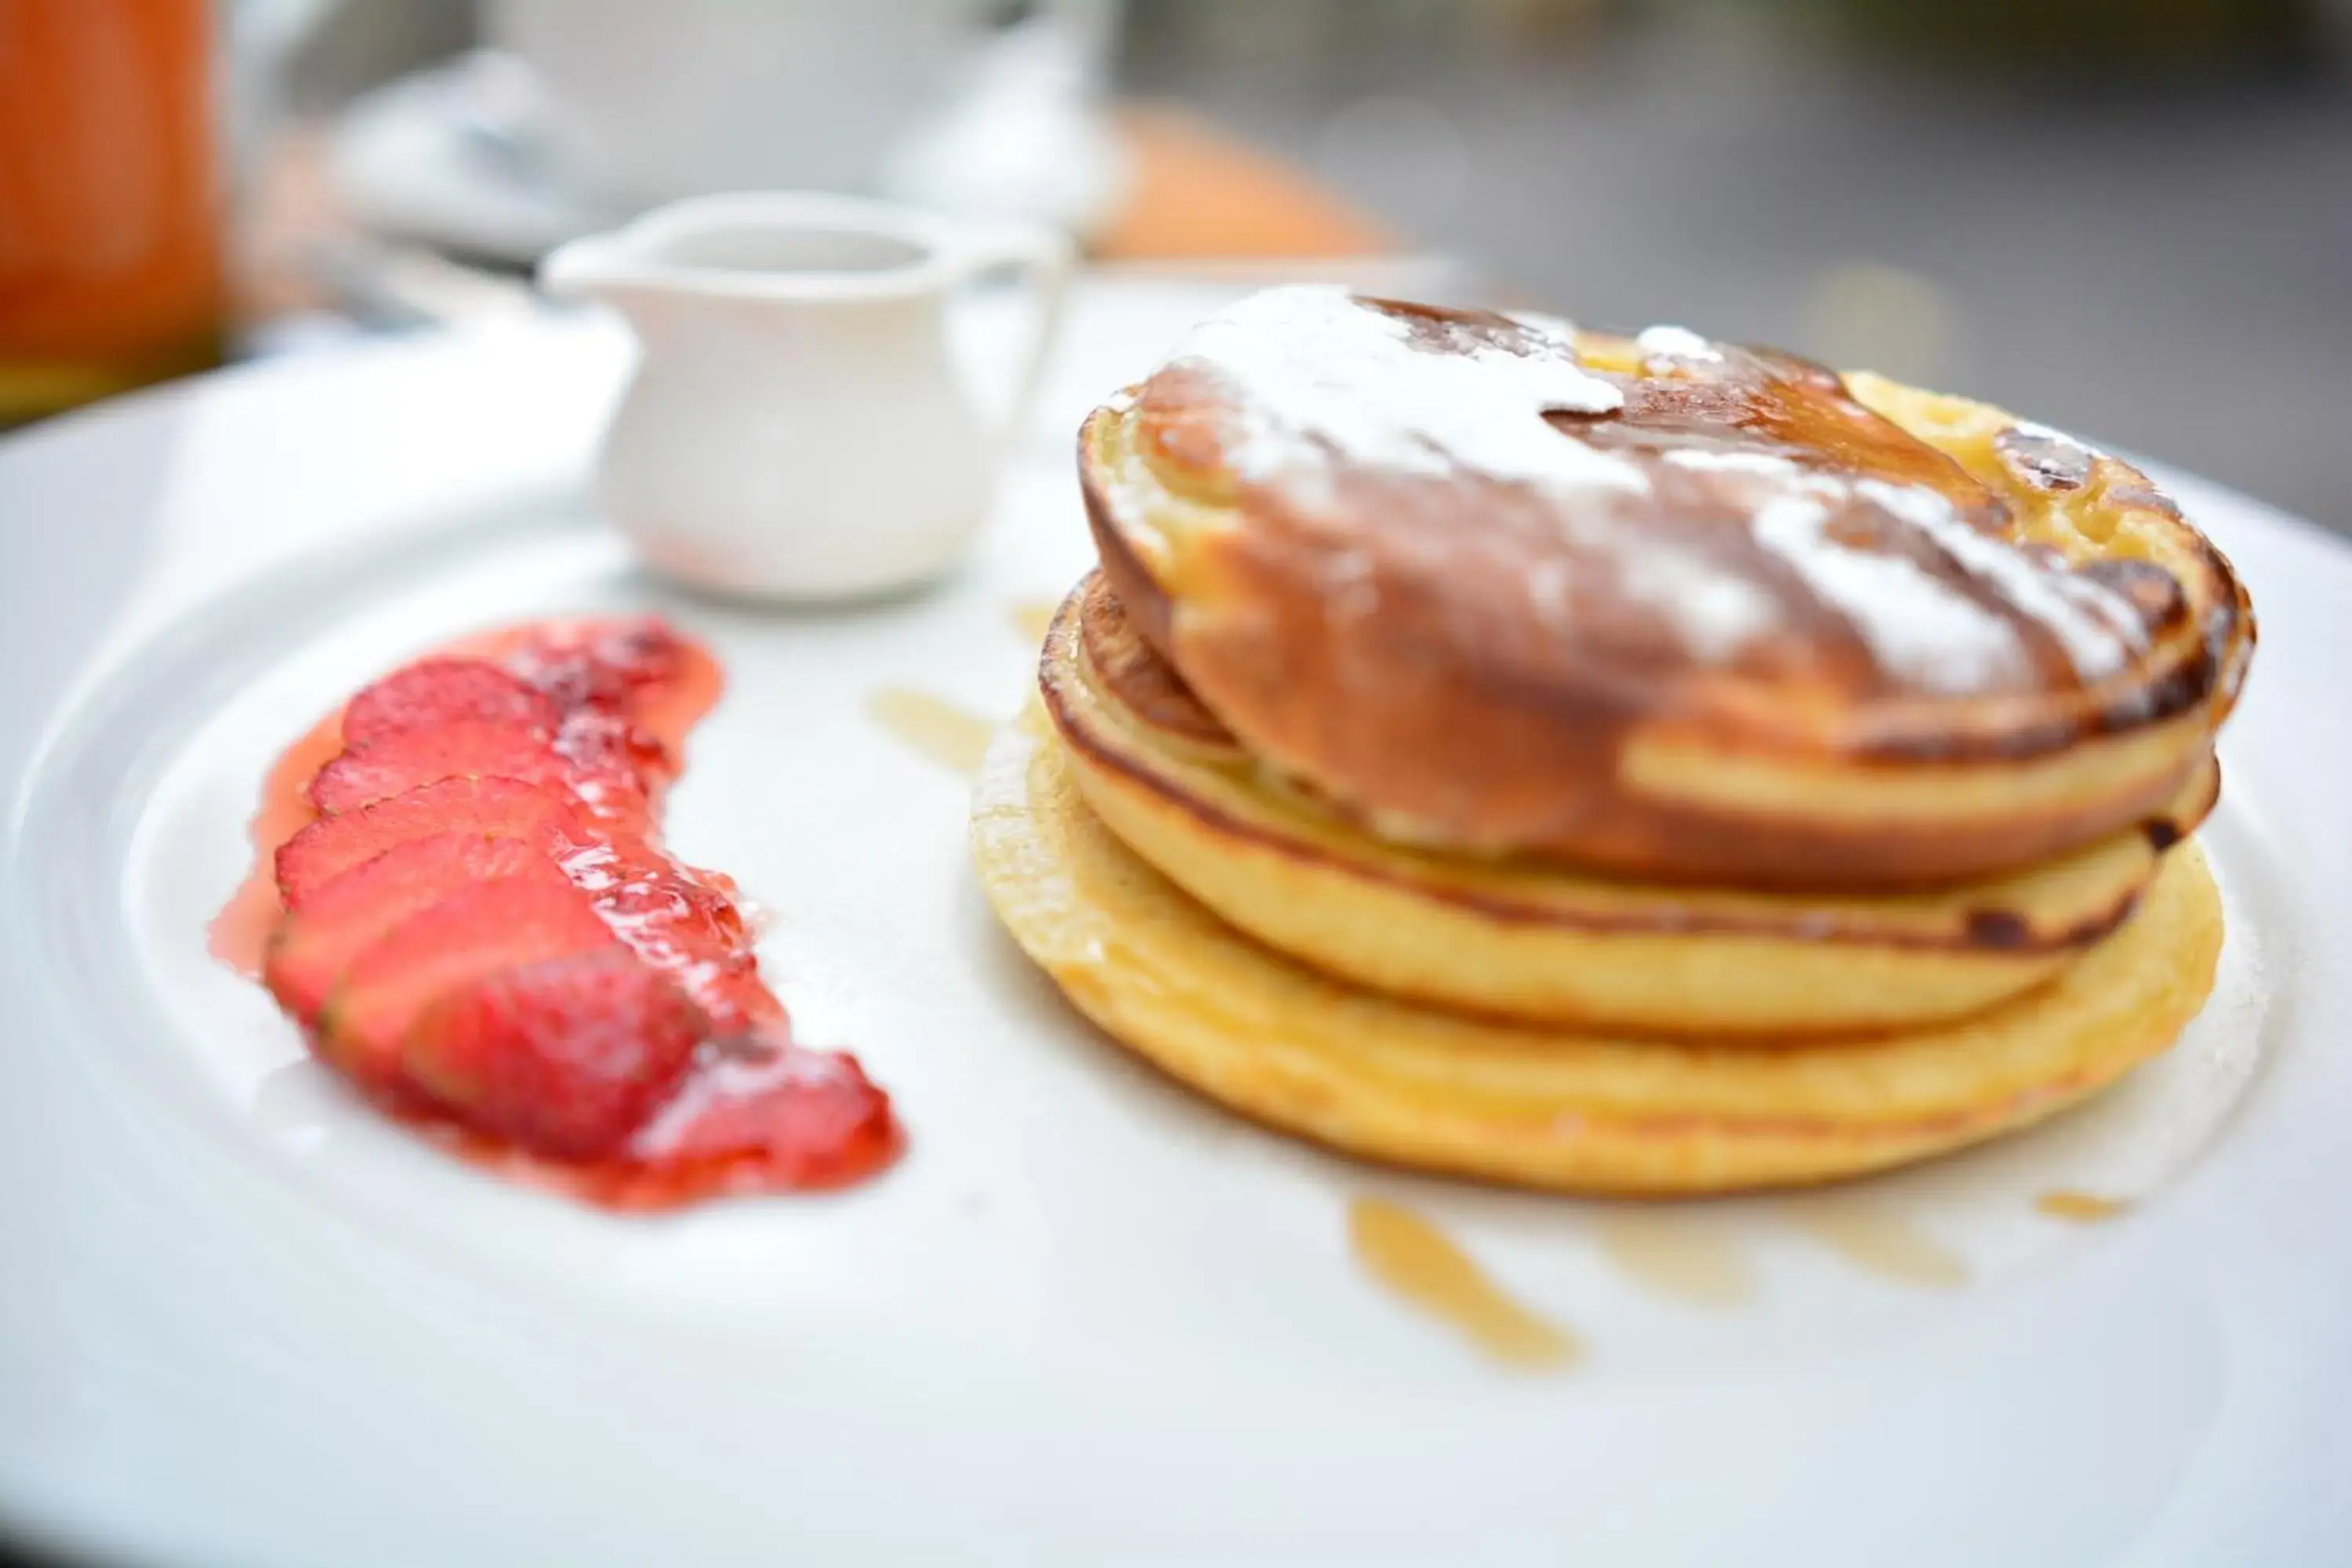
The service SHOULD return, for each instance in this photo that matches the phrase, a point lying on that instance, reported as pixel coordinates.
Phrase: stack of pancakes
(1621, 764)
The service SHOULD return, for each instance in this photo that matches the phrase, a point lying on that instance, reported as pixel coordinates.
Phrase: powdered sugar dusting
(1318, 381)
(2096, 626)
(1668, 345)
(1716, 613)
(1317, 372)
(1713, 611)
(1716, 460)
(1917, 627)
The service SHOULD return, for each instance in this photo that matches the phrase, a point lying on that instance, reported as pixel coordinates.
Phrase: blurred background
(2131, 218)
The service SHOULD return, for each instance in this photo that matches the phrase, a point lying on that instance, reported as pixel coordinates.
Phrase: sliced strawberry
(344, 916)
(773, 1114)
(683, 921)
(642, 893)
(597, 663)
(637, 667)
(436, 691)
(495, 808)
(669, 710)
(565, 1057)
(595, 739)
(466, 937)
(408, 759)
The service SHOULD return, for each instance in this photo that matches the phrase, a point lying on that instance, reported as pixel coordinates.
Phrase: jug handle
(1041, 259)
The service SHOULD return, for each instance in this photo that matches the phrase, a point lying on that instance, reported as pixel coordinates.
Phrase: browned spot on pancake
(2002, 929)
(1765, 402)
(2083, 1208)
(1424, 1267)
(951, 736)
(1144, 683)
(2170, 828)
(2140, 494)
(1878, 1241)
(2048, 460)
(2155, 593)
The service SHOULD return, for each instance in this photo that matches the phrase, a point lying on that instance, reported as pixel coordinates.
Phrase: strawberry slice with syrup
(436, 691)
(492, 808)
(344, 917)
(599, 773)
(481, 932)
(467, 937)
(565, 1057)
(759, 1112)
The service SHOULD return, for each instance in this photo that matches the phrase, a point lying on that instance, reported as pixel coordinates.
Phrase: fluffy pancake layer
(1583, 1111)
(1517, 940)
(1664, 608)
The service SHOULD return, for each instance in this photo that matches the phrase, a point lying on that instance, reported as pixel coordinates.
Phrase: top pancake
(1658, 605)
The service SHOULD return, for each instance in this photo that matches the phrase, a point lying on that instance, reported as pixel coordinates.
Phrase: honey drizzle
(951, 736)
(2083, 1208)
(1879, 1242)
(1678, 1256)
(1424, 1267)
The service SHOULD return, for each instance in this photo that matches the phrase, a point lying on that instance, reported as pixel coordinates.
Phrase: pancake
(1558, 1108)
(1660, 608)
(1534, 941)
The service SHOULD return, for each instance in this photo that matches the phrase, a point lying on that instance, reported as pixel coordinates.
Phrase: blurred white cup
(647, 100)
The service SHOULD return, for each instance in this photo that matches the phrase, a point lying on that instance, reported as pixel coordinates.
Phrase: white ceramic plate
(1088, 1318)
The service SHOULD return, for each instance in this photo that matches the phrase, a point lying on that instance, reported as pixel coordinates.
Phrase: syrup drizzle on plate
(953, 737)
(1683, 1257)
(1879, 1241)
(1422, 1266)
(1690, 1258)
(2083, 1208)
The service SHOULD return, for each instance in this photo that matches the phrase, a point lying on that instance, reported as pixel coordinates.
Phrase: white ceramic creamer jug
(796, 429)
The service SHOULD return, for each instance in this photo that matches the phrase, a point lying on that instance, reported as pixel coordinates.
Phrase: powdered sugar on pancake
(1918, 628)
(1717, 612)
(1711, 460)
(1317, 382)
(1316, 372)
(2095, 626)
(1663, 347)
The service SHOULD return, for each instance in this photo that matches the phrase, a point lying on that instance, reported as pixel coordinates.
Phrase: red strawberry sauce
(756, 1113)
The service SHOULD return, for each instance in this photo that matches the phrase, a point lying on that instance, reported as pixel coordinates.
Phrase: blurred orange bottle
(111, 271)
